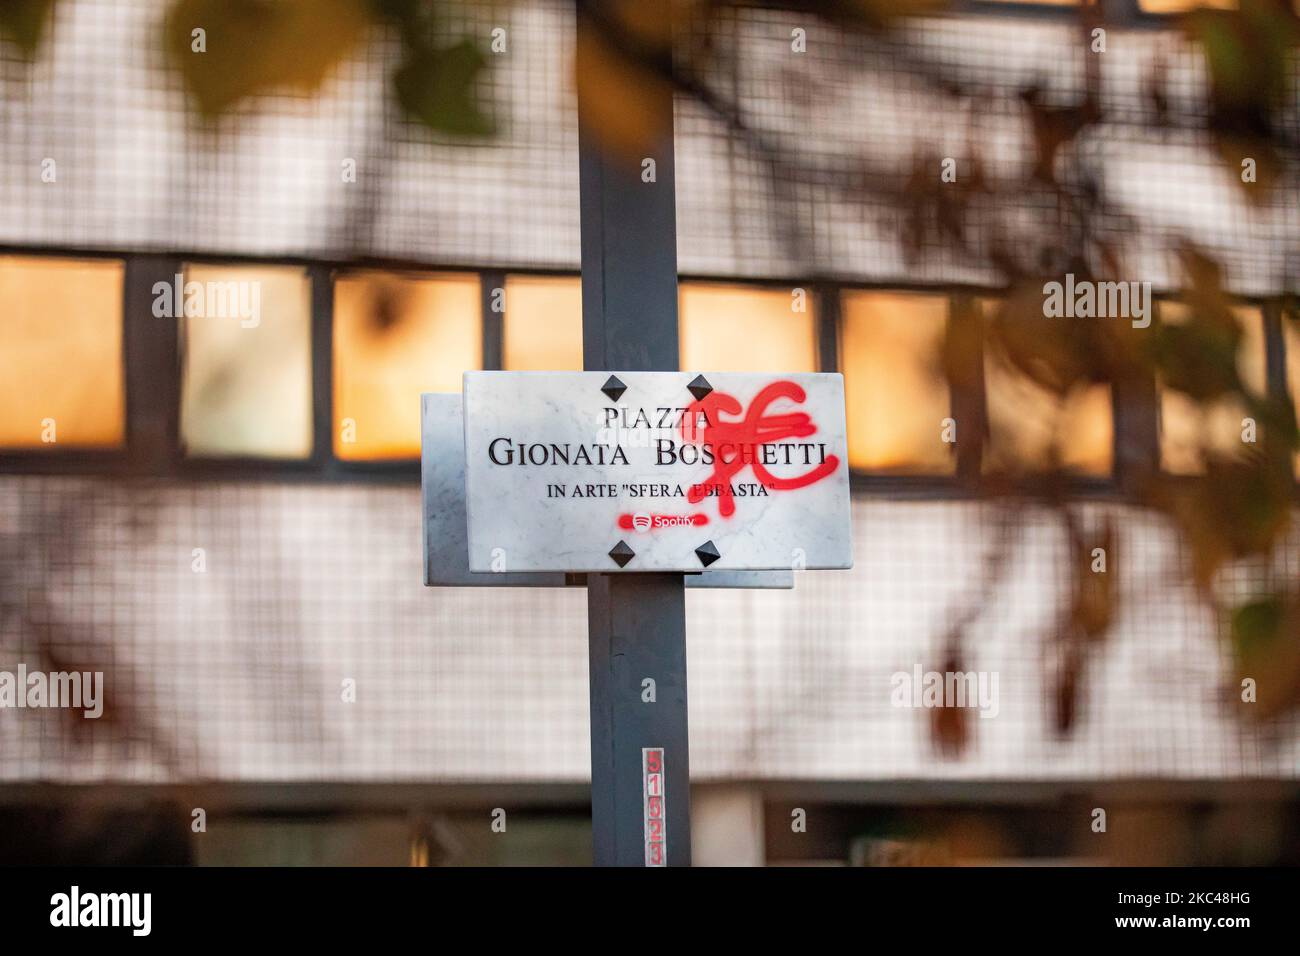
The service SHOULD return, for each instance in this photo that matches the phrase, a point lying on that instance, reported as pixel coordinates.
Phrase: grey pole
(636, 623)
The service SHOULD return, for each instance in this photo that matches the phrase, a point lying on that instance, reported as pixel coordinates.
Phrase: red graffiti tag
(736, 444)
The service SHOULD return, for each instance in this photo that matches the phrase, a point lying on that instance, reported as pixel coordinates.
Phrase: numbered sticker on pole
(652, 790)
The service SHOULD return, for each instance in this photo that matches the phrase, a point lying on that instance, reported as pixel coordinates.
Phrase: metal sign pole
(640, 771)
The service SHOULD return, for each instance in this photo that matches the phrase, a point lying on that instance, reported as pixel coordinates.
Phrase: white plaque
(446, 554)
(656, 471)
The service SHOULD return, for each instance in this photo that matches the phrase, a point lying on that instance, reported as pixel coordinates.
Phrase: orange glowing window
(61, 377)
(1190, 428)
(895, 393)
(737, 328)
(1291, 344)
(1185, 6)
(543, 324)
(1031, 428)
(246, 368)
(396, 336)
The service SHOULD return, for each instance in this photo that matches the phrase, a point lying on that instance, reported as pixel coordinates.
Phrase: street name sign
(624, 472)
(442, 489)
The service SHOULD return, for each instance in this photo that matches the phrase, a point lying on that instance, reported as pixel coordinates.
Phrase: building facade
(227, 518)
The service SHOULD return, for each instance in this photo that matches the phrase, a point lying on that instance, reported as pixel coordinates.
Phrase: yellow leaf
(229, 50)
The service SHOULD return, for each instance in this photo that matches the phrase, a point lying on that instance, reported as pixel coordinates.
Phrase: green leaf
(1266, 649)
(1255, 625)
(436, 87)
(1200, 356)
(252, 47)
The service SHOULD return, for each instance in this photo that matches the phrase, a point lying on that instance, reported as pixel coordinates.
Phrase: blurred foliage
(1265, 649)
(250, 47)
(950, 726)
(621, 69)
(436, 88)
(1059, 357)
(435, 83)
(1199, 356)
(258, 47)
(1240, 508)
(1249, 53)
(1092, 605)
(24, 22)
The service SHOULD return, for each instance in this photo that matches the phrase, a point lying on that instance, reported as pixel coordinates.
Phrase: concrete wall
(236, 673)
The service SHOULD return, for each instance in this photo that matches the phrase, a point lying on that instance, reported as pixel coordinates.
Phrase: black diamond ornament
(614, 388)
(699, 387)
(621, 554)
(707, 553)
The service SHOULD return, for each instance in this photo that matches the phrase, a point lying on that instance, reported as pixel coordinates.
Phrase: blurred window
(1183, 6)
(1291, 344)
(1031, 428)
(396, 336)
(721, 327)
(738, 328)
(543, 324)
(61, 377)
(246, 386)
(894, 390)
(1186, 424)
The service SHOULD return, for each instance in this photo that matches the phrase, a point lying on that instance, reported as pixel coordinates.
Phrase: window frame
(72, 459)
(1084, 486)
(1275, 381)
(320, 327)
(152, 362)
(1120, 13)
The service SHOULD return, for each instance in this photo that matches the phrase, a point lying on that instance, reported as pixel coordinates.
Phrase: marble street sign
(442, 487)
(656, 471)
